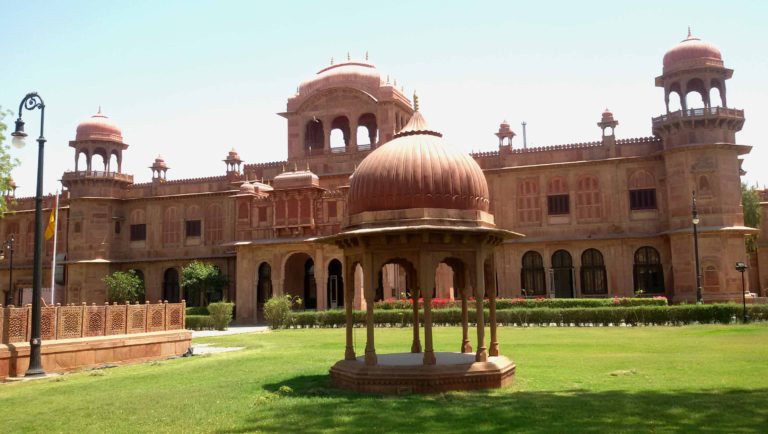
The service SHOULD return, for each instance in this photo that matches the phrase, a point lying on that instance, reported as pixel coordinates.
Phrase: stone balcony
(97, 174)
(699, 125)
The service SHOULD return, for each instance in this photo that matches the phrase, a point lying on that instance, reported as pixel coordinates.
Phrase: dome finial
(348, 57)
(366, 55)
(99, 112)
(415, 101)
(689, 31)
(331, 60)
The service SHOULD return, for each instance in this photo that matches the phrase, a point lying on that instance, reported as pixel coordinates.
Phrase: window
(642, 199)
(332, 210)
(214, 224)
(558, 204)
(642, 191)
(139, 232)
(588, 198)
(532, 275)
(528, 206)
(648, 274)
(171, 226)
(193, 228)
(117, 227)
(593, 280)
(263, 214)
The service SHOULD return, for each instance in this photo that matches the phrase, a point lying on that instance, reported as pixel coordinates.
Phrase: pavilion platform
(404, 373)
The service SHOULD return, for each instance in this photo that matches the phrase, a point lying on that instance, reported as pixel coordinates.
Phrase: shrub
(278, 308)
(197, 310)
(604, 316)
(221, 314)
(507, 303)
(199, 322)
(124, 287)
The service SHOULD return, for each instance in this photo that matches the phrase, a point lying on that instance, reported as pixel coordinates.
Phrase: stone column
(426, 280)
(466, 346)
(370, 293)
(482, 353)
(416, 345)
(349, 353)
(352, 143)
(494, 350)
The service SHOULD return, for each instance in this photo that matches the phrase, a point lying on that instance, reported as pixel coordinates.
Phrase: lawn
(643, 379)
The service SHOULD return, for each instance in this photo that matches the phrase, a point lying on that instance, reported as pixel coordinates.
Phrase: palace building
(611, 217)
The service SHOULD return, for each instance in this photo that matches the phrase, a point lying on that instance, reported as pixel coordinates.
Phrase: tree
(750, 202)
(6, 162)
(124, 287)
(202, 283)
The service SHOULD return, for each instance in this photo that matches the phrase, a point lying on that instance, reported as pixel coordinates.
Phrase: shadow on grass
(310, 404)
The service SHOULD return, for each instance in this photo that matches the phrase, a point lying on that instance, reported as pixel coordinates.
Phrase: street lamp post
(741, 267)
(32, 101)
(8, 244)
(695, 220)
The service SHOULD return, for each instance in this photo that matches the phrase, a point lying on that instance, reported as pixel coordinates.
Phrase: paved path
(233, 330)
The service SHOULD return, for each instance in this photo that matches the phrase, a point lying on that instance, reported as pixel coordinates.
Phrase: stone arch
(697, 86)
(264, 288)
(399, 274)
(367, 129)
(593, 273)
(82, 161)
(101, 152)
(647, 271)
(299, 278)
(340, 132)
(314, 135)
(562, 274)
(335, 284)
(532, 280)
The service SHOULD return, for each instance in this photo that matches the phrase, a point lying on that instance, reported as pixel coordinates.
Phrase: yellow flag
(49, 230)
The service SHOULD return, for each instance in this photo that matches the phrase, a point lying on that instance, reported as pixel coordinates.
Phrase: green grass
(644, 379)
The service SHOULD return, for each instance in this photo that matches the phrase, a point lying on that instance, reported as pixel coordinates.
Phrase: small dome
(607, 116)
(296, 179)
(416, 170)
(233, 155)
(247, 188)
(691, 49)
(99, 127)
(159, 163)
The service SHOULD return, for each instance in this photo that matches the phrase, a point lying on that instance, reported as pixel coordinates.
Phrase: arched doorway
(648, 274)
(335, 285)
(171, 287)
(299, 279)
(263, 288)
(532, 275)
(562, 274)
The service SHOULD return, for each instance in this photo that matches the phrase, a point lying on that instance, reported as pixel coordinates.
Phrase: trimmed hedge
(197, 310)
(602, 316)
(510, 303)
(199, 322)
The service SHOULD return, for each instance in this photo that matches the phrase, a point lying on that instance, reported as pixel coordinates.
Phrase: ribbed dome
(363, 73)
(99, 127)
(416, 170)
(691, 48)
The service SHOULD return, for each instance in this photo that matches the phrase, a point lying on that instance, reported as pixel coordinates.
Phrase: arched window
(214, 224)
(340, 132)
(532, 275)
(700, 96)
(711, 276)
(557, 196)
(642, 191)
(367, 129)
(528, 204)
(171, 287)
(704, 188)
(648, 274)
(588, 198)
(171, 226)
(314, 136)
(593, 278)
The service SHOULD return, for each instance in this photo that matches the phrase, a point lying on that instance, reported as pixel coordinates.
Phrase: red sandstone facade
(604, 218)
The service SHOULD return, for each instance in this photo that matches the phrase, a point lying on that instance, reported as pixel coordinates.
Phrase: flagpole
(55, 239)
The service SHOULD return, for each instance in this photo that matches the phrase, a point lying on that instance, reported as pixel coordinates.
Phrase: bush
(221, 314)
(124, 287)
(278, 308)
(197, 310)
(507, 303)
(603, 316)
(199, 322)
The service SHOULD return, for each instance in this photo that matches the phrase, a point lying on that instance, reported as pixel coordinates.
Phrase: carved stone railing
(694, 113)
(77, 321)
(97, 174)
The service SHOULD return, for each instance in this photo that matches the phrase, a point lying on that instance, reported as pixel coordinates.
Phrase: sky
(192, 79)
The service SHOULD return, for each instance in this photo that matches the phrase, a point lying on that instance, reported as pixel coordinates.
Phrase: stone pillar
(352, 143)
(482, 353)
(426, 280)
(416, 345)
(370, 293)
(494, 350)
(349, 290)
(466, 346)
(327, 134)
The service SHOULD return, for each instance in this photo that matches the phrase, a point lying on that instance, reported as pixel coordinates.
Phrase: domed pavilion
(418, 203)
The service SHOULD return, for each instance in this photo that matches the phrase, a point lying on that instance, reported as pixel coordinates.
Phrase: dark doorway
(171, 287)
(335, 285)
(263, 288)
(310, 287)
(562, 274)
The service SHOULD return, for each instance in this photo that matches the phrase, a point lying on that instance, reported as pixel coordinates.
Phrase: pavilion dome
(247, 188)
(351, 72)
(295, 180)
(417, 170)
(691, 50)
(99, 127)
